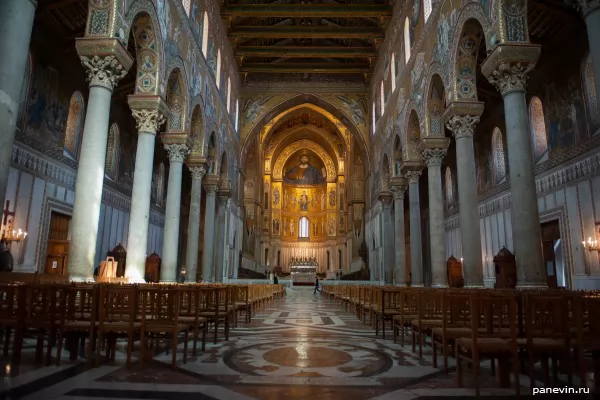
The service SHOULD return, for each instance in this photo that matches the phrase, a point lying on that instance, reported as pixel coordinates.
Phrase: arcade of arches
(405, 143)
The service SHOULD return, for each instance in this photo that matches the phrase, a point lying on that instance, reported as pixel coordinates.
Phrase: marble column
(193, 234)
(507, 68)
(462, 117)
(104, 71)
(416, 251)
(221, 233)
(148, 112)
(177, 153)
(211, 185)
(590, 10)
(437, 233)
(387, 237)
(16, 22)
(400, 252)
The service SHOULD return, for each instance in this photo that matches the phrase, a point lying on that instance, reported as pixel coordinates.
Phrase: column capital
(398, 191)
(385, 197)
(106, 60)
(198, 172)
(508, 65)
(585, 7)
(149, 112)
(177, 152)
(211, 184)
(434, 157)
(461, 117)
(413, 176)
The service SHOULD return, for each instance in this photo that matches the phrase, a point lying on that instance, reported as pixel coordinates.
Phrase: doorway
(553, 254)
(58, 244)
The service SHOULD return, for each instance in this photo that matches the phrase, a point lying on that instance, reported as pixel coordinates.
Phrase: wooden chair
(496, 315)
(409, 310)
(429, 316)
(586, 312)
(12, 299)
(189, 313)
(160, 315)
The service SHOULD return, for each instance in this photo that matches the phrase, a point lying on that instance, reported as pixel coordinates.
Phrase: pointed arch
(537, 127)
(435, 107)
(589, 85)
(303, 227)
(176, 99)
(74, 128)
(393, 72)
(197, 131)
(112, 152)
(407, 45)
(205, 34)
(211, 154)
(498, 157)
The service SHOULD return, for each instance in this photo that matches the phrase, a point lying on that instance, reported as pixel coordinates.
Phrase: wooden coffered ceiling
(323, 37)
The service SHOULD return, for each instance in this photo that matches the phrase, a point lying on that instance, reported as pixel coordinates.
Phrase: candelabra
(591, 245)
(10, 235)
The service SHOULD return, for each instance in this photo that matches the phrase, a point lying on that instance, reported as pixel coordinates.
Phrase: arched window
(303, 227)
(74, 125)
(498, 156)
(205, 35)
(589, 84)
(406, 40)
(373, 118)
(427, 9)
(537, 126)
(449, 187)
(229, 95)
(393, 72)
(237, 114)
(160, 184)
(112, 152)
(382, 99)
(187, 4)
(218, 76)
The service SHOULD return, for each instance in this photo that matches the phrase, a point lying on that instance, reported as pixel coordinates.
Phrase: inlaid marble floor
(303, 347)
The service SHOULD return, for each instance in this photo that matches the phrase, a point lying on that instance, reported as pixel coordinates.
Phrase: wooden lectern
(505, 266)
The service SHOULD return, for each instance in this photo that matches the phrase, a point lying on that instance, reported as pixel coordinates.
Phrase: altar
(303, 270)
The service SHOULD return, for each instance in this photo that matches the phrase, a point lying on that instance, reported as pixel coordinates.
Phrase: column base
(532, 286)
(473, 286)
(401, 284)
(81, 279)
(135, 280)
(440, 286)
(417, 285)
(168, 281)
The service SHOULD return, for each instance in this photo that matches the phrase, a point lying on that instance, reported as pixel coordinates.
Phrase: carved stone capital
(177, 152)
(211, 184)
(198, 172)
(103, 71)
(386, 198)
(434, 157)
(462, 126)
(585, 7)
(413, 176)
(508, 65)
(398, 191)
(149, 112)
(105, 59)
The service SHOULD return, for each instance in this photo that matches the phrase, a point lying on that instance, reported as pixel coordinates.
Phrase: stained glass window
(74, 127)
(537, 126)
(406, 40)
(112, 152)
(303, 228)
(498, 156)
(373, 118)
(218, 77)
(229, 95)
(393, 72)
(382, 99)
(589, 84)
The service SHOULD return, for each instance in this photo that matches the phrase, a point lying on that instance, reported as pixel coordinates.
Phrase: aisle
(303, 347)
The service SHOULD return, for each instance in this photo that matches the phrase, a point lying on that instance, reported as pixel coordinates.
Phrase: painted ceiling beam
(329, 68)
(306, 51)
(312, 32)
(308, 10)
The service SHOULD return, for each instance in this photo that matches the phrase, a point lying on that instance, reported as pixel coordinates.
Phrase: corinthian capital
(584, 6)
(398, 191)
(413, 176)
(198, 172)
(104, 71)
(177, 152)
(433, 157)
(148, 120)
(462, 126)
(510, 77)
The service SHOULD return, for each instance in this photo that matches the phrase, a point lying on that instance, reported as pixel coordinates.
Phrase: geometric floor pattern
(304, 347)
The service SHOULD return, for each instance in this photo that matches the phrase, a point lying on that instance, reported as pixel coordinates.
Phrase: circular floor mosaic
(308, 358)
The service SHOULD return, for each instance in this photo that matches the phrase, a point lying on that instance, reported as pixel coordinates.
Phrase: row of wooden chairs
(103, 313)
(516, 327)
